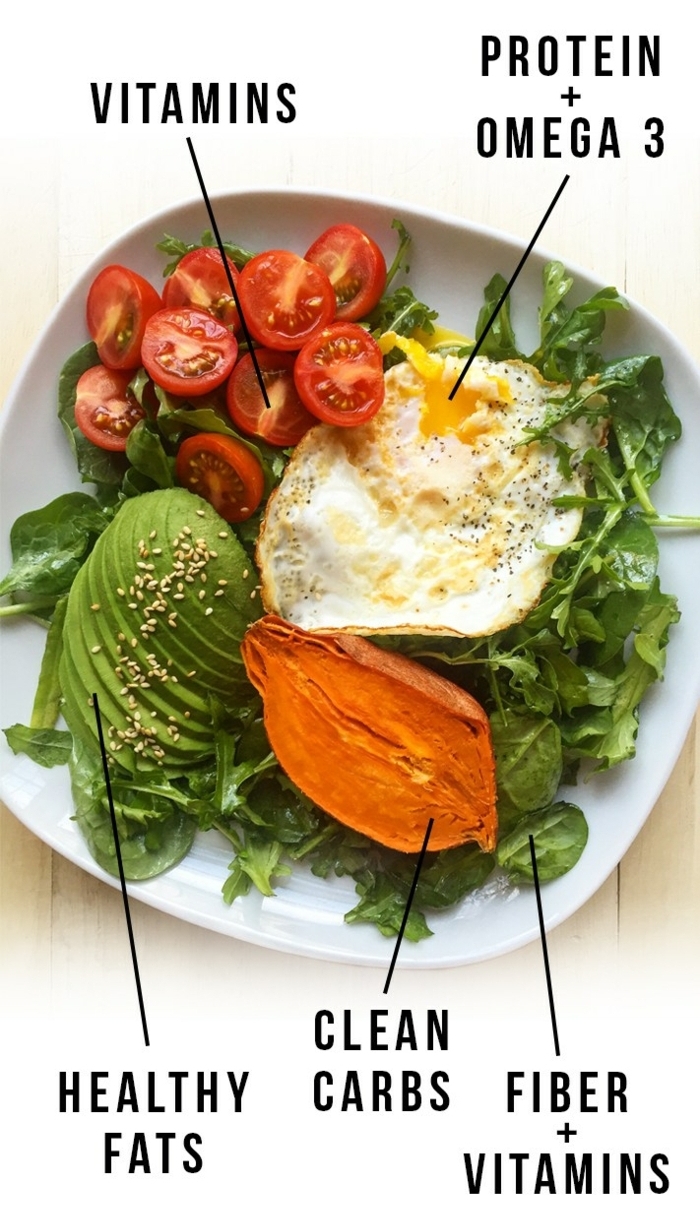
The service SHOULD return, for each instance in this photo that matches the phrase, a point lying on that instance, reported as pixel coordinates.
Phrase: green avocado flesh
(153, 626)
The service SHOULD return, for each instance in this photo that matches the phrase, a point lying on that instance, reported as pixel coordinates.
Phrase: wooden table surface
(61, 930)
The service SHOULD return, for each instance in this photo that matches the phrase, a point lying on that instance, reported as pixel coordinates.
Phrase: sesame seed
(124, 691)
(218, 593)
(202, 594)
(186, 530)
(252, 594)
(214, 555)
(139, 595)
(176, 736)
(153, 714)
(223, 582)
(190, 674)
(133, 606)
(223, 534)
(203, 577)
(121, 637)
(95, 607)
(153, 534)
(246, 574)
(157, 551)
(96, 649)
(200, 512)
(120, 592)
(208, 611)
(134, 643)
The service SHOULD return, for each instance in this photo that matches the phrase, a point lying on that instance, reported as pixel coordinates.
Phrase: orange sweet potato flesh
(377, 741)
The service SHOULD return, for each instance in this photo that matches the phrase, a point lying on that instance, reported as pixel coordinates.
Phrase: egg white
(431, 518)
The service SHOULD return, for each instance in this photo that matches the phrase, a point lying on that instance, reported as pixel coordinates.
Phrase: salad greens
(562, 688)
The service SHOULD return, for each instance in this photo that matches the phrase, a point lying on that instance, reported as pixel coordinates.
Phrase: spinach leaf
(41, 744)
(47, 699)
(95, 465)
(156, 822)
(560, 833)
(528, 762)
(145, 451)
(49, 545)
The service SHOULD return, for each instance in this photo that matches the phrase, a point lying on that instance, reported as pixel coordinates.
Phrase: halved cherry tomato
(105, 411)
(200, 282)
(222, 471)
(119, 305)
(355, 266)
(284, 299)
(339, 375)
(286, 419)
(187, 352)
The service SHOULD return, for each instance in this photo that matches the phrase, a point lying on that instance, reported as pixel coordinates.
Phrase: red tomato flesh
(339, 375)
(355, 266)
(284, 299)
(200, 282)
(105, 411)
(222, 471)
(187, 352)
(119, 305)
(286, 419)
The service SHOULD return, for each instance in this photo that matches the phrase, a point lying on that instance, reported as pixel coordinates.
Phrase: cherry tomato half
(222, 471)
(200, 282)
(119, 305)
(284, 299)
(355, 266)
(187, 352)
(105, 411)
(286, 419)
(339, 375)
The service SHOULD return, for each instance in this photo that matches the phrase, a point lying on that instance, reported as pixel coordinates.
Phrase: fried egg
(433, 517)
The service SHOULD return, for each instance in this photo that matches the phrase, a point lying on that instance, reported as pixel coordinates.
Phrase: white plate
(451, 262)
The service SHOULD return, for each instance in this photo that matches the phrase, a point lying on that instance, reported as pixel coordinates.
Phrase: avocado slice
(153, 626)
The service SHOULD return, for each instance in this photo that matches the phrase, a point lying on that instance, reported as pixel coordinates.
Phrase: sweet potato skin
(376, 740)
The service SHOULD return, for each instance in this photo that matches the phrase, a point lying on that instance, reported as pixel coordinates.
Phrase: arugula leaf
(259, 862)
(566, 335)
(43, 745)
(399, 260)
(400, 312)
(177, 248)
(499, 342)
(383, 904)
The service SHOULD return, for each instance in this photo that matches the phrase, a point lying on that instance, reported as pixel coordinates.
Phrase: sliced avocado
(153, 626)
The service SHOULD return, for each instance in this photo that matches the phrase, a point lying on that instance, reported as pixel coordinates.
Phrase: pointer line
(543, 938)
(409, 903)
(120, 865)
(234, 292)
(480, 340)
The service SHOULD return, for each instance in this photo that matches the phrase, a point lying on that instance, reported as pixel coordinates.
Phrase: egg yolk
(440, 414)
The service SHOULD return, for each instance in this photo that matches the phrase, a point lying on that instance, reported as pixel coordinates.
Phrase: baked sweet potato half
(377, 741)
